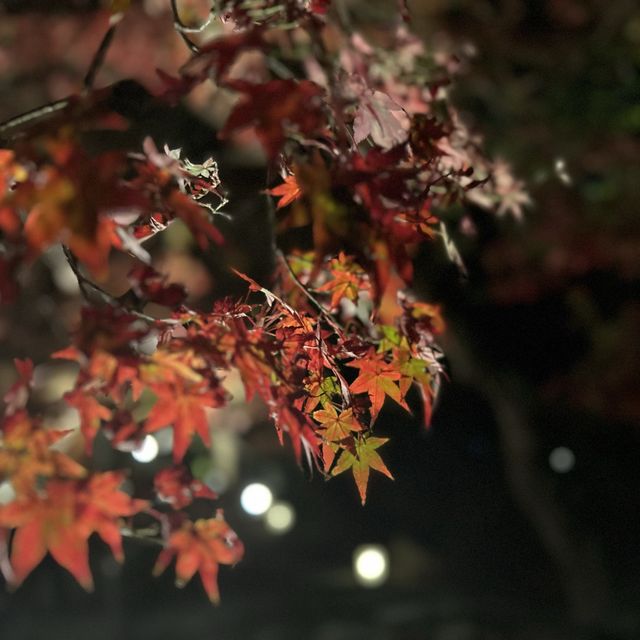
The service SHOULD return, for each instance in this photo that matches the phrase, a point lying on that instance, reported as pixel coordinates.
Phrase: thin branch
(87, 286)
(11, 128)
(146, 536)
(183, 29)
(101, 52)
(343, 16)
(314, 303)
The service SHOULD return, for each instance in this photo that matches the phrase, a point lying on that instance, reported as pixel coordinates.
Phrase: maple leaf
(347, 282)
(420, 221)
(26, 456)
(69, 196)
(300, 430)
(381, 118)
(320, 389)
(424, 316)
(177, 487)
(201, 546)
(336, 426)
(62, 519)
(273, 108)
(149, 285)
(416, 371)
(183, 408)
(218, 55)
(336, 429)
(377, 378)
(196, 217)
(123, 428)
(360, 460)
(48, 223)
(288, 191)
(91, 411)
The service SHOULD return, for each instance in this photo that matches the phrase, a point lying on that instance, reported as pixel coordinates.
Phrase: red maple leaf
(62, 519)
(178, 487)
(149, 285)
(201, 546)
(276, 108)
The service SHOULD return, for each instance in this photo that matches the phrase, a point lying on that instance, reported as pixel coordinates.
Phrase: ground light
(256, 498)
(280, 518)
(371, 565)
(562, 460)
(147, 450)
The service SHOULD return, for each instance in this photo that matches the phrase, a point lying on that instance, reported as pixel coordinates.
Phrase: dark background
(486, 541)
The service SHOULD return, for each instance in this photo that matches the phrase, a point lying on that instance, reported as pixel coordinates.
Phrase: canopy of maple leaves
(371, 154)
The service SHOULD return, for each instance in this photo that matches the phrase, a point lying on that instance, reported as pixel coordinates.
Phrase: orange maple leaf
(201, 546)
(348, 279)
(91, 413)
(337, 426)
(288, 191)
(60, 521)
(183, 408)
(377, 378)
(26, 456)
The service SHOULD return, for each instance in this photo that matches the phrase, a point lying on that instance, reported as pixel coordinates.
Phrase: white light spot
(280, 518)
(560, 167)
(7, 492)
(147, 450)
(148, 343)
(256, 498)
(562, 460)
(371, 565)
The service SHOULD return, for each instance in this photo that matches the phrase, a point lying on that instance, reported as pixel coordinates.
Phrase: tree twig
(101, 52)
(314, 303)
(183, 29)
(85, 283)
(146, 536)
(87, 286)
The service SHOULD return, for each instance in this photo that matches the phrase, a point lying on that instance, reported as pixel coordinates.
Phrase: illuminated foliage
(371, 156)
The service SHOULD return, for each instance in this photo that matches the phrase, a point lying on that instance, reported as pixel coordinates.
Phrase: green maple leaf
(360, 460)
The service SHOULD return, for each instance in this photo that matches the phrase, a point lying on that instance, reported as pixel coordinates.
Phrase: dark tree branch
(101, 52)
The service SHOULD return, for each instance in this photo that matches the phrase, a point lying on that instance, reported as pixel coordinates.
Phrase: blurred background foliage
(490, 534)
